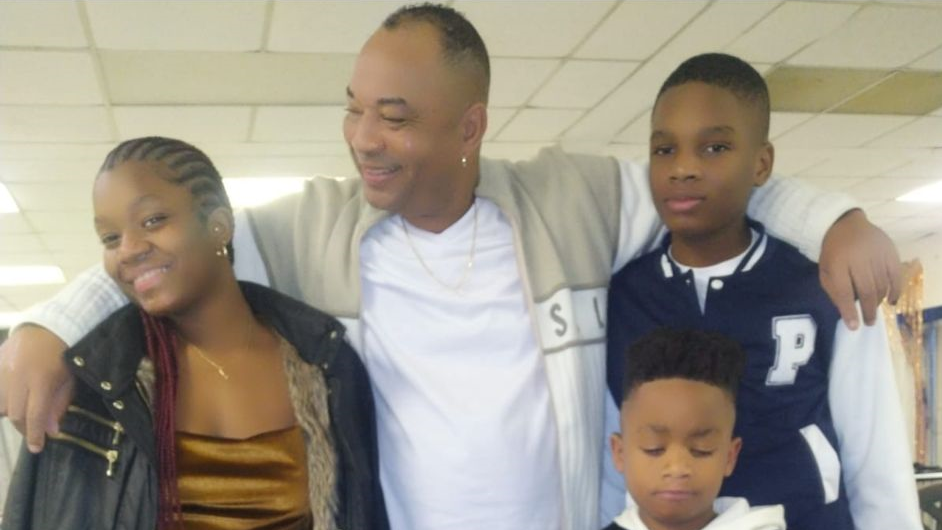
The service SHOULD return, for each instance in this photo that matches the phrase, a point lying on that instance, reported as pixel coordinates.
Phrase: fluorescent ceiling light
(7, 204)
(245, 192)
(928, 193)
(7, 319)
(31, 275)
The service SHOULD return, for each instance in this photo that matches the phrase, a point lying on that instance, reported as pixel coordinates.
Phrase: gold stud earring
(222, 252)
(464, 161)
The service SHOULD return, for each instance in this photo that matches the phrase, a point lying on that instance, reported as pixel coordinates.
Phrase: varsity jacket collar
(756, 252)
(316, 335)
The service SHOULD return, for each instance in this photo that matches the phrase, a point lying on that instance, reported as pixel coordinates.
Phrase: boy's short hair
(697, 355)
(727, 72)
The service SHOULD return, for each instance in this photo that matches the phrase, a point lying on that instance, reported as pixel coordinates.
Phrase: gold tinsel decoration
(910, 308)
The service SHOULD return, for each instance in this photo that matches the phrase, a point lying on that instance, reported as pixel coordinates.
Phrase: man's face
(404, 122)
(675, 448)
(707, 154)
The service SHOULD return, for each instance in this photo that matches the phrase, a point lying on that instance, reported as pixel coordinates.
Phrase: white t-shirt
(467, 436)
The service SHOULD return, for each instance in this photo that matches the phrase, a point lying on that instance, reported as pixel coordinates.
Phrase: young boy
(818, 410)
(676, 443)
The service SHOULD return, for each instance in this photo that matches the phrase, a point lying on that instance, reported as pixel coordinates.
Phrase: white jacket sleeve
(875, 456)
(93, 295)
(791, 210)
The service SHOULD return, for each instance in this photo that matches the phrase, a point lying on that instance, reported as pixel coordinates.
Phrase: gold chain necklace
(467, 270)
(219, 369)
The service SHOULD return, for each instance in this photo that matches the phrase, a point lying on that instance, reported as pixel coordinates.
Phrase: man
(474, 290)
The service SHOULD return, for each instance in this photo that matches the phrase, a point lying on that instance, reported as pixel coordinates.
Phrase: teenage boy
(676, 443)
(818, 408)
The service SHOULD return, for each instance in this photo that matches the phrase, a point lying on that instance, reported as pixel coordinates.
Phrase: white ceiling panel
(781, 122)
(497, 118)
(635, 152)
(787, 29)
(313, 26)
(885, 187)
(20, 244)
(861, 162)
(538, 125)
(177, 25)
(533, 29)
(52, 196)
(792, 160)
(513, 150)
(927, 166)
(49, 169)
(638, 131)
(832, 183)
(192, 124)
(840, 130)
(235, 167)
(41, 257)
(296, 124)
(14, 223)
(931, 61)
(923, 132)
(86, 242)
(48, 150)
(897, 209)
(864, 42)
(226, 78)
(245, 149)
(80, 221)
(582, 84)
(635, 30)
(24, 296)
(513, 81)
(48, 78)
(51, 23)
(54, 124)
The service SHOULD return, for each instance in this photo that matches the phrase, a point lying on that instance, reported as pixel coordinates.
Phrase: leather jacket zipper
(110, 455)
(101, 420)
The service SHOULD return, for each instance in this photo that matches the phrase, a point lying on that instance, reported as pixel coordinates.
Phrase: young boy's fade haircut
(727, 72)
(696, 355)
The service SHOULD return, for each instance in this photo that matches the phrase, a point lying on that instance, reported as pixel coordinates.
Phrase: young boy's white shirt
(732, 513)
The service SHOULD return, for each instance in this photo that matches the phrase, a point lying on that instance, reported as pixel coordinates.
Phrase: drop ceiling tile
(894, 209)
(14, 223)
(192, 124)
(191, 25)
(635, 152)
(840, 130)
(801, 89)
(240, 167)
(792, 160)
(79, 221)
(638, 131)
(34, 150)
(788, 28)
(877, 36)
(20, 244)
(45, 24)
(313, 26)
(930, 61)
(782, 122)
(48, 78)
(41, 257)
(22, 297)
(923, 132)
(54, 124)
(513, 81)
(911, 93)
(296, 124)
(831, 183)
(861, 162)
(512, 150)
(885, 188)
(51, 168)
(929, 165)
(635, 30)
(538, 125)
(269, 149)
(582, 84)
(52, 196)
(533, 29)
(71, 243)
(497, 118)
(226, 78)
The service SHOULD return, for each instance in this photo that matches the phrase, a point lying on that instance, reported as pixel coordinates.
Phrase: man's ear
(732, 456)
(764, 160)
(473, 127)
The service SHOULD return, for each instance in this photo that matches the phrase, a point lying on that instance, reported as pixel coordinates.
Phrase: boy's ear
(732, 456)
(618, 451)
(764, 161)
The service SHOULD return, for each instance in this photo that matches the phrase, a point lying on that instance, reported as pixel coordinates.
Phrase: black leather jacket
(100, 474)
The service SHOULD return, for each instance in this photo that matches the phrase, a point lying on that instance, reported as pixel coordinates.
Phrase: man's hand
(35, 385)
(858, 260)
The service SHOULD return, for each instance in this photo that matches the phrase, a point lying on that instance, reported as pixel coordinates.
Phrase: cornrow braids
(190, 166)
(161, 341)
(697, 355)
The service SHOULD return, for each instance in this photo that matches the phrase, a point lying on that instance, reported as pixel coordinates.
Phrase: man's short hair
(727, 72)
(462, 45)
(697, 355)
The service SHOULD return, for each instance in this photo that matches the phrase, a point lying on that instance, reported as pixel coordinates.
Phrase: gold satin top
(259, 482)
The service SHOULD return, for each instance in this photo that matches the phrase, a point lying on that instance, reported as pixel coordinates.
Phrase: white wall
(929, 252)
